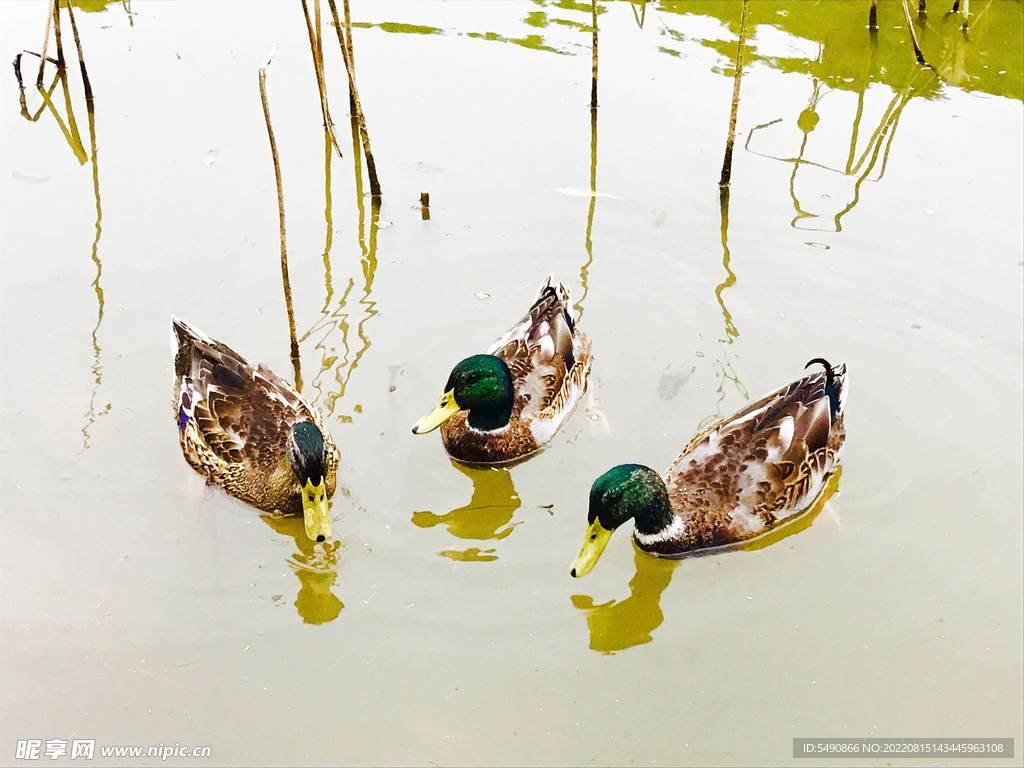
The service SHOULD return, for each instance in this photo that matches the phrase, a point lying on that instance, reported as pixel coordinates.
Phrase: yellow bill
(316, 511)
(446, 408)
(593, 545)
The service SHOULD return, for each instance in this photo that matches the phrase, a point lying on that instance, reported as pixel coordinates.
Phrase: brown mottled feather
(242, 418)
(747, 473)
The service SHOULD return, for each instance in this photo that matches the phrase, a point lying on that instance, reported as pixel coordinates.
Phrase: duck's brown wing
(545, 352)
(241, 412)
(765, 463)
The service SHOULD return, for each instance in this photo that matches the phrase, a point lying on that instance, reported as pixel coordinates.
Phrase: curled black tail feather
(830, 386)
(551, 292)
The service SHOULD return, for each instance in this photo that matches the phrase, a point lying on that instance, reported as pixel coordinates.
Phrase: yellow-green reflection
(72, 136)
(533, 42)
(724, 371)
(552, 14)
(328, 204)
(847, 60)
(723, 367)
(841, 177)
(588, 241)
(90, 107)
(402, 29)
(315, 565)
(97, 368)
(339, 318)
(487, 516)
(94, 6)
(989, 60)
(620, 624)
(641, 15)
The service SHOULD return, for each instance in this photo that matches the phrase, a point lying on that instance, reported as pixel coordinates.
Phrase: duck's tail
(835, 385)
(184, 334)
(550, 287)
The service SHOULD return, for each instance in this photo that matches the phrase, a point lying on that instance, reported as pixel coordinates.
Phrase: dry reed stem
(316, 49)
(46, 43)
(280, 209)
(593, 57)
(913, 37)
(727, 163)
(371, 166)
(21, 88)
(345, 41)
(81, 62)
(56, 34)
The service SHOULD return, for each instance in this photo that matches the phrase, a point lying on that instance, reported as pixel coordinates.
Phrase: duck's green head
(308, 456)
(482, 385)
(625, 491)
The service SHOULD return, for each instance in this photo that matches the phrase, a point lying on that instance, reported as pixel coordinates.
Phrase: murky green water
(875, 217)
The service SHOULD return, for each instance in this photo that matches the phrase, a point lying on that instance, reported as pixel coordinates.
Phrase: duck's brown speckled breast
(511, 444)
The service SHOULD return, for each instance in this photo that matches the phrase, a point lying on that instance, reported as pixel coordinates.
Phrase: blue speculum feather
(184, 403)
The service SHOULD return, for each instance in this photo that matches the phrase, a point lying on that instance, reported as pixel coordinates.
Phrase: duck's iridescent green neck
(482, 384)
(306, 450)
(631, 490)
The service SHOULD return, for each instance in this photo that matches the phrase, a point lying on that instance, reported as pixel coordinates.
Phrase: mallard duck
(503, 406)
(734, 481)
(251, 433)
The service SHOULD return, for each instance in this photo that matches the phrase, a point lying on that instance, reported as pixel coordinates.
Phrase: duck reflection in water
(620, 624)
(316, 566)
(487, 517)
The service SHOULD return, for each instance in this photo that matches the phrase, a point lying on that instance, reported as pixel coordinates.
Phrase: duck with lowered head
(251, 433)
(736, 480)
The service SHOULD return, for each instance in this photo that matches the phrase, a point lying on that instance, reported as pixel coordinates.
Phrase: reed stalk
(316, 49)
(345, 41)
(913, 37)
(81, 62)
(727, 163)
(280, 209)
(46, 43)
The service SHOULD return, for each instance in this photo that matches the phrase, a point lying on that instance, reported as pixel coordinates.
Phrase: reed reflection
(73, 137)
(836, 185)
(316, 566)
(487, 516)
(723, 367)
(841, 182)
(724, 371)
(588, 241)
(339, 318)
(617, 625)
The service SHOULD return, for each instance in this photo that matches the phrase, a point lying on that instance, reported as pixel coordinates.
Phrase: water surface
(874, 216)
